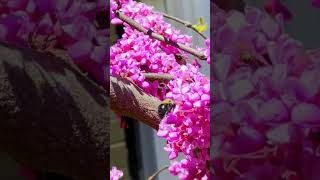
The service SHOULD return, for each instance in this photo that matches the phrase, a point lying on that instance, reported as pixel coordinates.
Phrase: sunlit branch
(159, 37)
(185, 23)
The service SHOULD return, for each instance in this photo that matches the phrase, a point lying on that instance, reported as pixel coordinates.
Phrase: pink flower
(58, 25)
(186, 128)
(267, 96)
(115, 174)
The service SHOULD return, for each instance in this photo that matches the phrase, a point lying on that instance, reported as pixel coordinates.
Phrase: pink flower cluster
(59, 25)
(115, 174)
(74, 26)
(266, 103)
(187, 128)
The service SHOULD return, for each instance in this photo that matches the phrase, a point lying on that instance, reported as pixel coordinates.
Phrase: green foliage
(201, 27)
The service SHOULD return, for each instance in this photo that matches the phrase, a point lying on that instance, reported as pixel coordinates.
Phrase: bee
(165, 107)
(180, 60)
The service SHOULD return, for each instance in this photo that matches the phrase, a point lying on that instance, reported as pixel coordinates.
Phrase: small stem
(159, 37)
(155, 76)
(185, 23)
(158, 172)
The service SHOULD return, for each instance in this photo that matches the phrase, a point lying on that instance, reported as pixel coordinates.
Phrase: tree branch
(185, 23)
(154, 35)
(153, 176)
(52, 117)
(127, 99)
(160, 77)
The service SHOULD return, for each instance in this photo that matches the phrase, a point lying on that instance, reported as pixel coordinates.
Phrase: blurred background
(304, 25)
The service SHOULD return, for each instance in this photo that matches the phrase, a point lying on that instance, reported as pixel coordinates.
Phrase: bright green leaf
(201, 20)
(201, 27)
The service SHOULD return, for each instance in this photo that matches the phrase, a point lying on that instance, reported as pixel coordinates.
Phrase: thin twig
(158, 172)
(156, 76)
(154, 35)
(185, 23)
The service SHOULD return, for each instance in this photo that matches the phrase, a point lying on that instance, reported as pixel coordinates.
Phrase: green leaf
(201, 27)
(201, 20)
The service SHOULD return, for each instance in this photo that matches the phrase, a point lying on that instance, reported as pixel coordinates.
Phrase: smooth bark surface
(127, 99)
